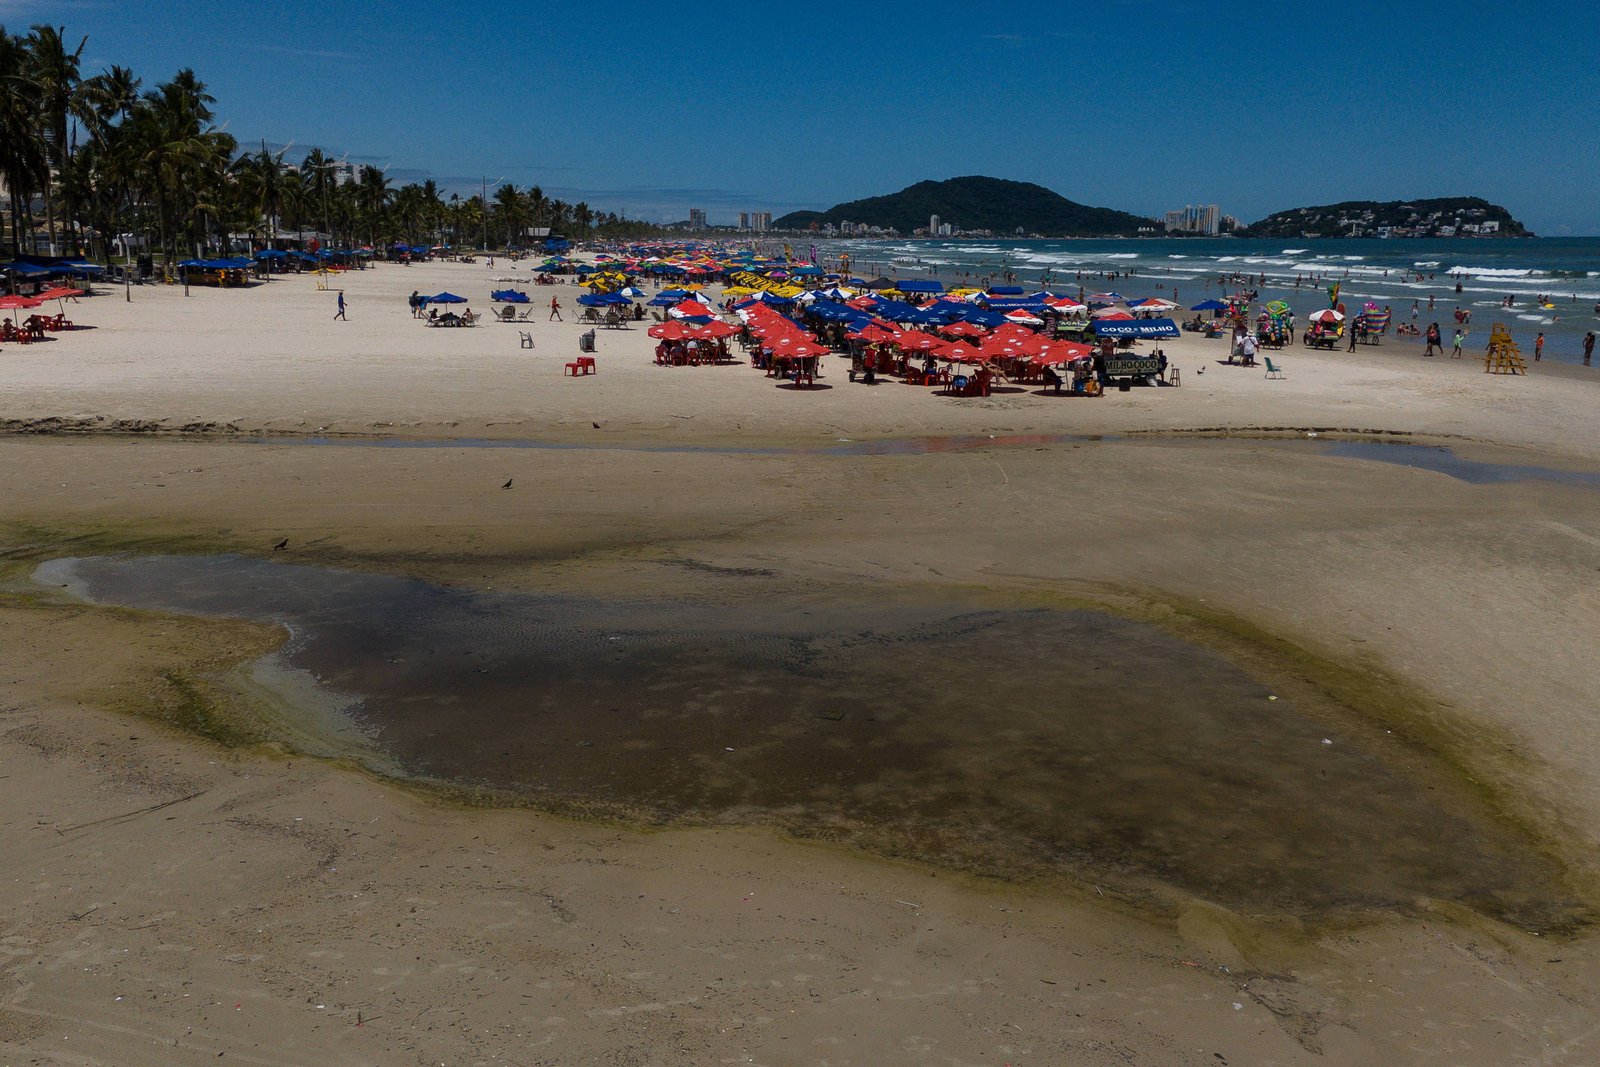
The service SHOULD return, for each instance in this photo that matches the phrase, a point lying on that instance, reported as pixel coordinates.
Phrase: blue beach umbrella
(444, 298)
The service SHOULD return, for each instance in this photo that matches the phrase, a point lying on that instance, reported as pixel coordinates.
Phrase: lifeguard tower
(1503, 357)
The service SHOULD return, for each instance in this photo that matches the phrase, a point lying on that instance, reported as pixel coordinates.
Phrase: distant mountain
(1454, 216)
(975, 203)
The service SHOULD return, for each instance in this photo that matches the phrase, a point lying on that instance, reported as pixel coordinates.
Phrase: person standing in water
(1432, 337)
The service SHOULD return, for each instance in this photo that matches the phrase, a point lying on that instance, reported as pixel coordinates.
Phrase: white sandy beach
(272, 358)
(173, 901)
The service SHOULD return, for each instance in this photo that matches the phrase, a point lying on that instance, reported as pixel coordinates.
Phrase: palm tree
(432, 209)
(373, 197)
(409, 206)
(55, 73)
(179, 159)
(316, 178)
(513, 212)
(266, 183)
(537, 205)
(24, 156)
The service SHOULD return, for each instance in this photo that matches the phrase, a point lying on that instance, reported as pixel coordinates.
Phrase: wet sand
(1455, 615)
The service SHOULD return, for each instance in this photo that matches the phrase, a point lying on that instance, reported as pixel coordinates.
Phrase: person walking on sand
(1433, 339)
(1350, 328)
(1455, 351)
(555, 311)
(1538, 348)
(1588, 347)
(340, 313)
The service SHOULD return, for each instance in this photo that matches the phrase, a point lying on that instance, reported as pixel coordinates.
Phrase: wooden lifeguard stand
(1503, 357)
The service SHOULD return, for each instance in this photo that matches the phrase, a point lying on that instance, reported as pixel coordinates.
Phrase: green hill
(1453, 216)
(975, 203)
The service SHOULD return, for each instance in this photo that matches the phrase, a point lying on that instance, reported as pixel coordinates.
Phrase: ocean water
(1386, 272)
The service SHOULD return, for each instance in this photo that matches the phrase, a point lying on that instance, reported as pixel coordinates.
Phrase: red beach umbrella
(676, 330)
(717, 328)
(958, 352)
(12, 302)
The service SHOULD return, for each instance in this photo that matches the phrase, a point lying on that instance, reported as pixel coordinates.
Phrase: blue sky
(1134, 104)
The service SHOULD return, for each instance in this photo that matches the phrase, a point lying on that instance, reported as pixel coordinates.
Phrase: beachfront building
(761, 220)
(697, 219)
(1195, 218)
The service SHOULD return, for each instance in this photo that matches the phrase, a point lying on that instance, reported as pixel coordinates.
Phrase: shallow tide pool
(1007, 741)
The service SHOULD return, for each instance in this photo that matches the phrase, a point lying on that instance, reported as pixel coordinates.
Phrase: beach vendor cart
(1325, 329)
(1371, 325)
(1126, 368)
(1272, 325)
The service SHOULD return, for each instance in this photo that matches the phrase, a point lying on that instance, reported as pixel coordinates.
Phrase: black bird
(596, 425)
(281, 545)
(508, 483)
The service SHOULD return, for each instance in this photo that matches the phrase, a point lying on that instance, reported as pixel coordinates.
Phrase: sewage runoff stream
(1010, 742)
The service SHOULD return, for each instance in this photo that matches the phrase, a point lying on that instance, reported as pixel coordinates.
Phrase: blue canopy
(988, 319)
(27, 270)
(271, 253)
(79, 266)
(833, 311)
(216, 264)
(762, 297)
(1210, 305)
(444, 298)
(896, 311)
(919, 287)
(600, 300)
(1136, 328)
(1005, 290)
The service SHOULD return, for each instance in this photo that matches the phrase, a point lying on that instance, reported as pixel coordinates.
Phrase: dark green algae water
(1016, 742)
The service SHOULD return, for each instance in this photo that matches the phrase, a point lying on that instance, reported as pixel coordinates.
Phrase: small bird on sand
(508, 483)
(596, 425)
(1202, 370)
(281, 545)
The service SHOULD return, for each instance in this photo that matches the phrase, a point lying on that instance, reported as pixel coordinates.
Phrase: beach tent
(27, 270)
(512, 296)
